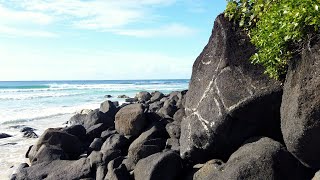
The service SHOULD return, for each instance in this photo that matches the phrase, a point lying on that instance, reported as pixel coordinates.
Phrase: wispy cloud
(171, 30)
(10, 31)
(99, 15)
(17, 23)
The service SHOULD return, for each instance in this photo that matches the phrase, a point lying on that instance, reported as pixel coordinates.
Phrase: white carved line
(206, 63)
(189, 136)
(209, 86)
(205, 125)
(218, 105)
(237, 104)
(250, 81)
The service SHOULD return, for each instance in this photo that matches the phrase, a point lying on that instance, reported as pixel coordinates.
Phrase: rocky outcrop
(229, 99)
(300, 109)
(229, 119)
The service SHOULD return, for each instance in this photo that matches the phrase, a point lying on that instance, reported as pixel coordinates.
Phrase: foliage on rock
(276, 27)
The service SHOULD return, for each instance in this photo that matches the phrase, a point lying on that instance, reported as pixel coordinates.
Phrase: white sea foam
(110, 87)
(25, 96)
(29, 114)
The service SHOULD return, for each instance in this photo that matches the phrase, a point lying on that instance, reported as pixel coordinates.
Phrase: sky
(103, 39)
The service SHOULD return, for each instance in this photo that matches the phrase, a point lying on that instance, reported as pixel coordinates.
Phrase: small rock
(30, 134)
(107, 133)
(131, 100)
(173, 144)
(173, 129)
(143, 96)
(108, 96)
(117, 170)
(85, 111)
(156, 96)
(95, 145)
(123, 96)
(4, 135)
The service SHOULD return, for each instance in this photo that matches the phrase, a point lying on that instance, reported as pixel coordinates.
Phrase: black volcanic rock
(143, 96)
(260, 158)
(131, 120)
(229, 99)
(70, 144)
(159, 166)
(58, 169)
(156, 96)
(4, 135)
(300, 108)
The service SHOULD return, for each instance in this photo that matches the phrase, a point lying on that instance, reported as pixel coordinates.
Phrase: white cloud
(11, 16)
(171, 30)
(17, 23)
(10, 31)
(32, 64)
(99, 15)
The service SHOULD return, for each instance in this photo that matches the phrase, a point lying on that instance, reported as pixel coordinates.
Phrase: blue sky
(103, 39)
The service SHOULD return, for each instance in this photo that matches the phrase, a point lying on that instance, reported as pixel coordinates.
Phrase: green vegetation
(276, 27)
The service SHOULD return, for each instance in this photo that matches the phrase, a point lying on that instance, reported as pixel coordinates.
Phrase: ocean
(44, 104)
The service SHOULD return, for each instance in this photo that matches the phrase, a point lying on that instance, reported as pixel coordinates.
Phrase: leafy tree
(276, 27)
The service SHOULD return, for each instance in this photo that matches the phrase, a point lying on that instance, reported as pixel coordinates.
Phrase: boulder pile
(234, 122)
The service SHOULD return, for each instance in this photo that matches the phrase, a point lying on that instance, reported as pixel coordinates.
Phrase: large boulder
(149, 142)
(68, 143)
(108, 108)
(261, 158)
(131, 120)
(105, 116)
(229, 99)
(58, 169)
(300, 109)
(159, 166)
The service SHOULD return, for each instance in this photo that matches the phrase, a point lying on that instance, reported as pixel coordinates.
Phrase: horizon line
(94, 80)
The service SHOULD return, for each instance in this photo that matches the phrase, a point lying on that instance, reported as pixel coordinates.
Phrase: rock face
(229, 99)
(300, 109)
(130, 120)
(261, 158)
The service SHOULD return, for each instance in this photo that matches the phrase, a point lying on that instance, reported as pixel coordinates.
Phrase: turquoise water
(44, 104)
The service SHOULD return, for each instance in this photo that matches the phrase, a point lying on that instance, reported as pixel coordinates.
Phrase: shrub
(276, 27)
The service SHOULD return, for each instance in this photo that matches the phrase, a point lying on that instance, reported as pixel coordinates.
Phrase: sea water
(44, 104)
